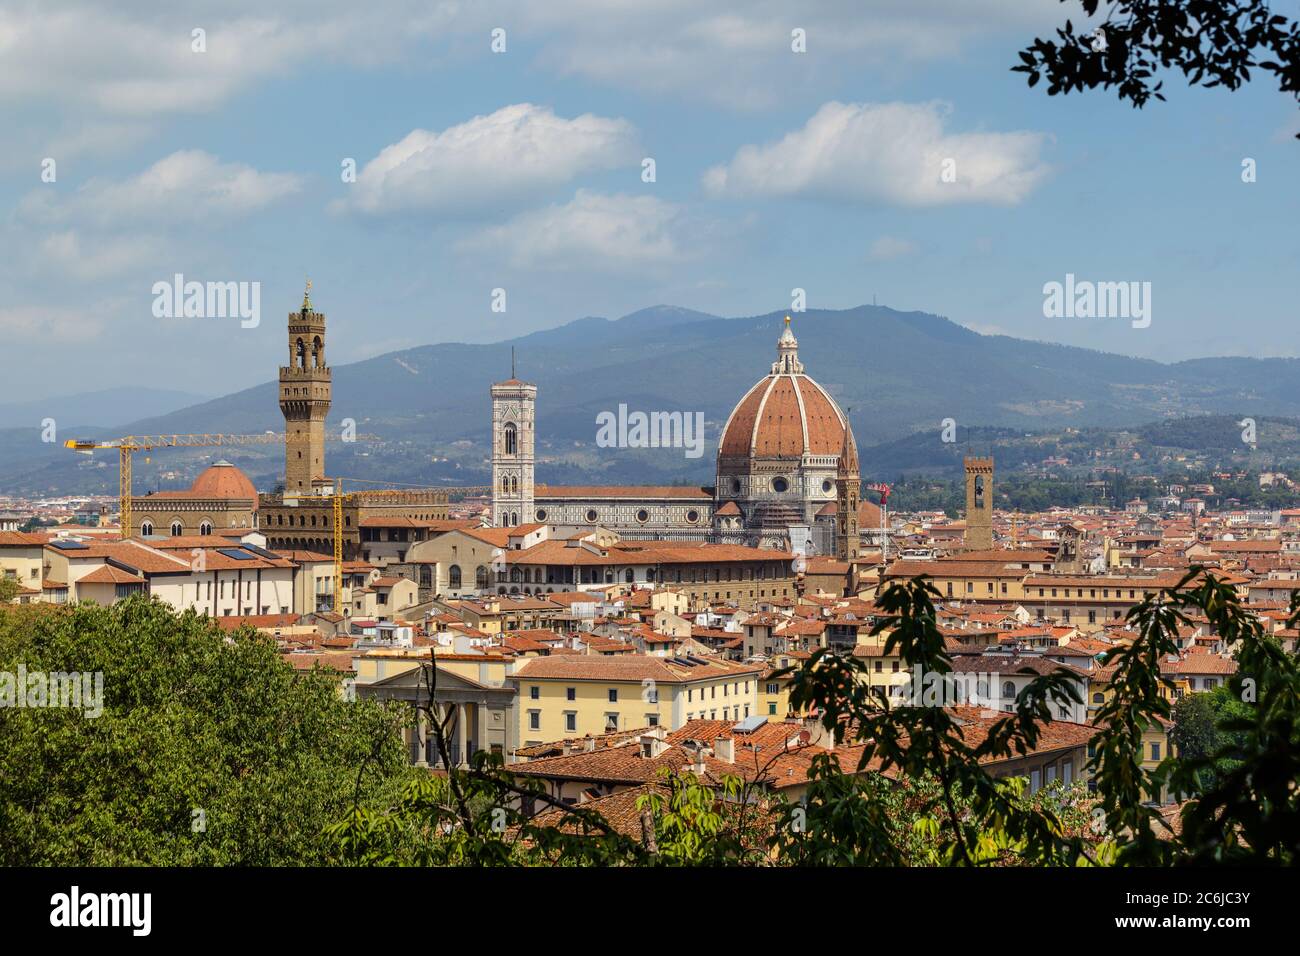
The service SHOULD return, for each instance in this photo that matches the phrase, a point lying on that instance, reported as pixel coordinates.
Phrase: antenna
(512, 361)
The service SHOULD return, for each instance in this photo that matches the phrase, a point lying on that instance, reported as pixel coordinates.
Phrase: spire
(849, 467)
(787, 352)
(306, 297)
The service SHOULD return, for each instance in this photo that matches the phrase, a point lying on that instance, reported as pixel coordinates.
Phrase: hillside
(900, 373)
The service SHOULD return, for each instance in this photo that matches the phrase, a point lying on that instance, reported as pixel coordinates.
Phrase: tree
(1198, 732)
(1213, 43)
(8, 589)
(210, 749)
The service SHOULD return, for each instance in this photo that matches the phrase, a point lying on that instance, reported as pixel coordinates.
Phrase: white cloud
(512, 153)
(66, 254)
(135, 58)
(890, 247)
(43, 325)
(885, 153)
(612, 233)
(187, 186)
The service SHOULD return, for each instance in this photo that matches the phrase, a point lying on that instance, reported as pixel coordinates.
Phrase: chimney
(724, 748)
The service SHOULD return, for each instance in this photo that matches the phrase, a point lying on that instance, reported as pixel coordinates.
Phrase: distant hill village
(593, 635)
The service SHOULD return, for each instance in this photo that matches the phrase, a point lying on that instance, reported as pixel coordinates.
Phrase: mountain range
(898, 373)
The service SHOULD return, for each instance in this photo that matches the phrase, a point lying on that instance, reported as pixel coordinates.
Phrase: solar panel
(237, 554)
(262, 551)
(749, 725)
(70, 545)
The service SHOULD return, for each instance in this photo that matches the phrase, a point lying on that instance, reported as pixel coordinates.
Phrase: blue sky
(522, 170)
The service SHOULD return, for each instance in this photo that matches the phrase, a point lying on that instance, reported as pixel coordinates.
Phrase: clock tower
(514, 404)
(305, 394)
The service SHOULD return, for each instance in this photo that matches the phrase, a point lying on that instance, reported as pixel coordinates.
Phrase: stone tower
(305, 394)
(514, 406)
(979, 503)
(848, 483)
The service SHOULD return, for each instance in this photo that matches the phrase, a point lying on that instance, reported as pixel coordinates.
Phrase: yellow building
(567, 695)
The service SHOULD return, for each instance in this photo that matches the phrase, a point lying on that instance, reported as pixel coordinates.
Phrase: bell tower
(305, 395)
(514, 406)
(848, 485)
(979, 503)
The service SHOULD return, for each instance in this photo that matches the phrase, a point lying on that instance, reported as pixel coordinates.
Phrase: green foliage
(1210, 42)
(8, 589)
(210, 749)
(1198, 732)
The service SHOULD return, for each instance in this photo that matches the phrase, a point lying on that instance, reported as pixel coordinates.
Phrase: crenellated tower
(979, 503)
(305, 396)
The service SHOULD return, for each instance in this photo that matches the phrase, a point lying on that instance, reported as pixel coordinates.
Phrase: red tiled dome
(785, 415)
(223, 480)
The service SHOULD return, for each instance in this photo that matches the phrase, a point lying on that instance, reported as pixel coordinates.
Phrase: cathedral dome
(785, 415)
(223, 480)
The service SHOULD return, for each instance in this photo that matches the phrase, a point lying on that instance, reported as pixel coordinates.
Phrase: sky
(504, 146)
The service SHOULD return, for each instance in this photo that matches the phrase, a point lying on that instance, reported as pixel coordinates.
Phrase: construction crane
(882, 490)
(128, 446)
(377, 494)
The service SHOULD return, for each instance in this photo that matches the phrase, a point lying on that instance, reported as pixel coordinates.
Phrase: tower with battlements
(305, 396)
(979, 503)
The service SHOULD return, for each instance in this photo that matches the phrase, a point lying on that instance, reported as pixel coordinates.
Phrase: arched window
(511, 438)
(317, 352)
(516, 575)
(205, 527)
(505, 484)
(628, 576)
(300, 353)
(1008, 690)
(177, 529)
(481, 578)
(514, 486)
(426, 576)
(453, 577)
(146, 528)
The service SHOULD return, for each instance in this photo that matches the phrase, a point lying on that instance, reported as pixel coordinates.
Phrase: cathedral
(787, 475)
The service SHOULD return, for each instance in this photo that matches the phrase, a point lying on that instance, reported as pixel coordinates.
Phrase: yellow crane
(376, 494)
(129, 445)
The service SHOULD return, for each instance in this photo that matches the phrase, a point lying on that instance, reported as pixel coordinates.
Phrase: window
(146, 528)
(1155, 751)
(534, 693)
(1009, 690)
(510, 437)
(1099, 698)
(534, 719)
(205, 527)
(652, 720)
(642, 515)
(611, 723)
(771, 708)
(176, 529)
(591, 515)
(570, 721)
(453, 577)
(613, 695)
(570, 693)
(780, 485)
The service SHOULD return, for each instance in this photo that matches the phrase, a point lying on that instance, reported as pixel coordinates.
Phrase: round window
(642, 515)
(591, 514)
(828, 486)
(541, 514)
(692, 516)
(780, 485)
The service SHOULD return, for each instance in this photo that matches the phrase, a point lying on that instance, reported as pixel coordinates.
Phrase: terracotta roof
(108, 574)
(633, 668)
